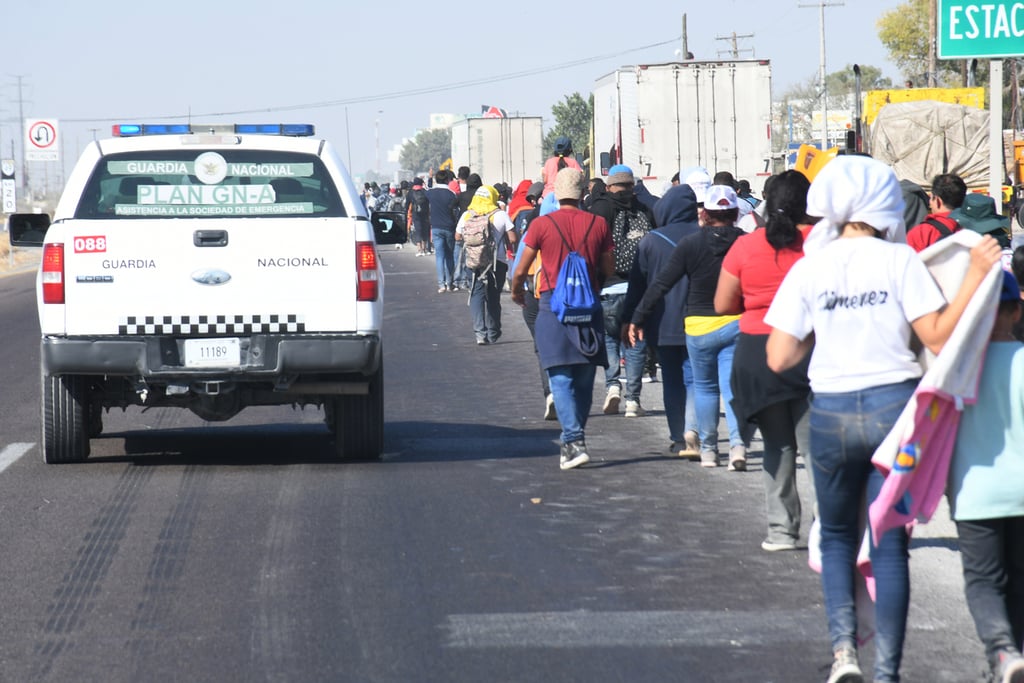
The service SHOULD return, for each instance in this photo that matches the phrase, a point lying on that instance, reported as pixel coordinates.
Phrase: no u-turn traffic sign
(41, 140)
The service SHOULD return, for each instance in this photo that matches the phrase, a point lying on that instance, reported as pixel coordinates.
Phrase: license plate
(213, 353)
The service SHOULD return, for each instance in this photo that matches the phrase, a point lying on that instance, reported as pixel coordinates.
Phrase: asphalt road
(190, 551)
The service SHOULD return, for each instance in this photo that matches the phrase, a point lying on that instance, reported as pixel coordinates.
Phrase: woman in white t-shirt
(857, 300)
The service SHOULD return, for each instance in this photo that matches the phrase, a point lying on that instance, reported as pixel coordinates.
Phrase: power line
(390, 95)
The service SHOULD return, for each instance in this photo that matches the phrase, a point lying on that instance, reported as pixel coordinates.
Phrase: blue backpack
(572, 300)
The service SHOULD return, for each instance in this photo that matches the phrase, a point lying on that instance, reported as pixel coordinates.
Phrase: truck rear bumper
(263, 357)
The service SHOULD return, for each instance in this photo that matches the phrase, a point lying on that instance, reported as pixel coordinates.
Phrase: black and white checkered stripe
(211, 324)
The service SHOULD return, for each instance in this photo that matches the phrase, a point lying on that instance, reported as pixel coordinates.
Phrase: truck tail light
(53, 273)
(366, 271)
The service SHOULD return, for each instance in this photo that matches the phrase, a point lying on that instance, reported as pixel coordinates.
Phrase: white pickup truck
(209, 268)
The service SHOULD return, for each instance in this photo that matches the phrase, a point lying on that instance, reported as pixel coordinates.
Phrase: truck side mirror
(27, 229)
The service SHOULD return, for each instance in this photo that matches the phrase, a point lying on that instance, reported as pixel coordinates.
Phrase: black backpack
(420, 204)
(628, 228)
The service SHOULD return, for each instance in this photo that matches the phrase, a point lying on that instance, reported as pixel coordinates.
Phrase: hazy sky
(354, 69)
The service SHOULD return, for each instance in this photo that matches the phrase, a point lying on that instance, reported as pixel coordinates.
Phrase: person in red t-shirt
(777, 403)
(948, 192)
(571, 367)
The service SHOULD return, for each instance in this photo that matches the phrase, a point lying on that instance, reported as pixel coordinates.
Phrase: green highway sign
(981, 28)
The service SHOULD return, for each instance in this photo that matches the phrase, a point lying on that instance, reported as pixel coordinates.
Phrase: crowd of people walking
(808, 315)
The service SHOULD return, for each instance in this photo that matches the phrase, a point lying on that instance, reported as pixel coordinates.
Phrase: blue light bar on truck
(123, 130)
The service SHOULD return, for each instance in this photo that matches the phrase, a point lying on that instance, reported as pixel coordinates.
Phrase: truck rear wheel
(65, 419)
(358, 421)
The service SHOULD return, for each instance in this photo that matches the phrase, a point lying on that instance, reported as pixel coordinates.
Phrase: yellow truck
(922, 132)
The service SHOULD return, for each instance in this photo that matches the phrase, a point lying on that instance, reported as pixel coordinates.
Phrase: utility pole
(685, 54)
(821, 5)
(21, 127)
(377, 140)
(933, 78)
(735, 51)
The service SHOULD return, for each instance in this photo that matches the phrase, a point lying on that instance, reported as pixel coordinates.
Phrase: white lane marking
(630, 629)
(10, 454)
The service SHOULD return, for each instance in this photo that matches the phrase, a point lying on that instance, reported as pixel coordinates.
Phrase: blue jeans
(462, 275)
(711, 357)
(444, 257)
(635, 355)
(677, 391)
(845, 431)
(485, 302)
(573, 389)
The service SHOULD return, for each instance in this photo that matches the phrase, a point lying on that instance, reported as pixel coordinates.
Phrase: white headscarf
(853, 189)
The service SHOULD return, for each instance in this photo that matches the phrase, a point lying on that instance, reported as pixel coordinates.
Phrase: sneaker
(419, 253)
(738, 459)
(574, 454)
(442, 290)
(481, 341)
(777, 546)
(611, 400)
(634, 409)
(1009, 667)
(678, 449)
(692, 444)
(549, 408)
(453, 288)
(845, 668)
(708, 459)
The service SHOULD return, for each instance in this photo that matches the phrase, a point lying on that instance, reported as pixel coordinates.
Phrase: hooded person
(629, 220)
(596, 189)
(676, 213)
(853, 302)
(520, 199)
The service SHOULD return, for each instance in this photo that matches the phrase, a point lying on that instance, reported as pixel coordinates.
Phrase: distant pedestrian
(856, 299)
(472, 183)
(948, 192)
(629, 220)
(443, 215)
(570, 353)
(776, 403)
(418, 217)
(986, 497)
(522, 218)
(664, 331)
(488, 277)
(560, 158)
(978, 213)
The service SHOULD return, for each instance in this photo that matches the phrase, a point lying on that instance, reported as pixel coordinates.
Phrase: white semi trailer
(661, 118)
